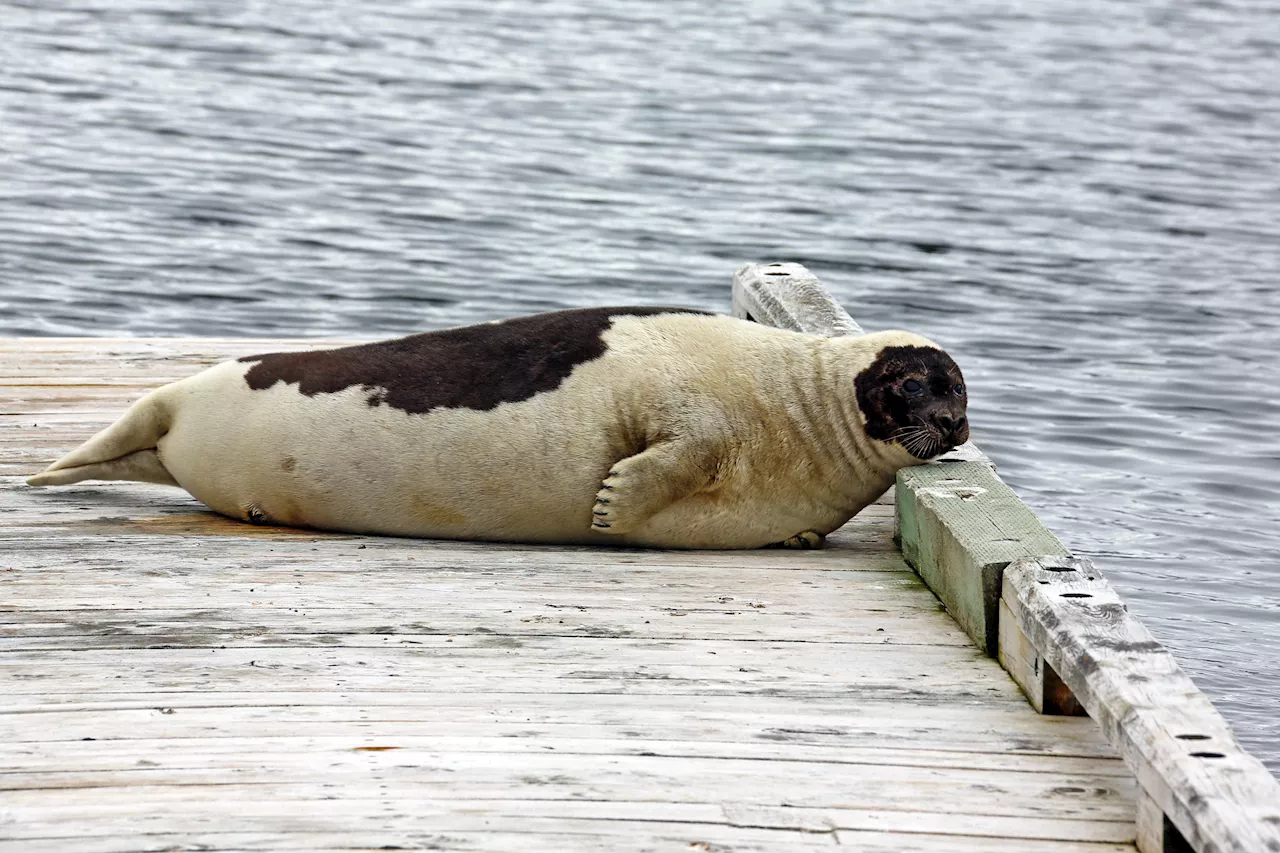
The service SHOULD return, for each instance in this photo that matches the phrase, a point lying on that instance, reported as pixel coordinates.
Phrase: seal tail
(126, 450)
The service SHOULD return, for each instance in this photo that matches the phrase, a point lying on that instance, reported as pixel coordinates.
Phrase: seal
(660, 427)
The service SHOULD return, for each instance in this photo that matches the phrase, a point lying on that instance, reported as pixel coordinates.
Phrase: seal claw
(616, 509)
(806, 540)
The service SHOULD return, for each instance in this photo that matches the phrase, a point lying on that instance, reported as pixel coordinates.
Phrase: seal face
(915, 396)
(474, 367)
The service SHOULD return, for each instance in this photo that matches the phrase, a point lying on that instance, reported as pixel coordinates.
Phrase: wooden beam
(788, 296)
(1038, 680)
(959, 525)
(1213, 795)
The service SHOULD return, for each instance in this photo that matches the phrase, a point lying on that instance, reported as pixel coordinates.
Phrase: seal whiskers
(920, 440)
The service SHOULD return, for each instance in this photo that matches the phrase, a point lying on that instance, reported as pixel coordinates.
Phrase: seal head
(914, 395)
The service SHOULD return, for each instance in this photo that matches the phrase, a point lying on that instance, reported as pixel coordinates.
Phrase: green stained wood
(959, 525)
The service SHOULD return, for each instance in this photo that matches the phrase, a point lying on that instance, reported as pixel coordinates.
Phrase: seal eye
(958, 389)
(912, 387)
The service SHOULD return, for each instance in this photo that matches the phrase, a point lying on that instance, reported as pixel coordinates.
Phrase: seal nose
(951, 427)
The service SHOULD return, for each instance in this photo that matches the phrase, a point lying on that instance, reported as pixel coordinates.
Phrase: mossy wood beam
(1054, 623)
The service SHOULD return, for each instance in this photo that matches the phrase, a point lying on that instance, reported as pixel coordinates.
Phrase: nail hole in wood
(1077, 595)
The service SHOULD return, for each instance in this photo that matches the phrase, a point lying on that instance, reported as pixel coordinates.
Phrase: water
(1079, 199)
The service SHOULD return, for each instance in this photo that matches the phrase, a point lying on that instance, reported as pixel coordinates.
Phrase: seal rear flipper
(139, 429)
(142, 466)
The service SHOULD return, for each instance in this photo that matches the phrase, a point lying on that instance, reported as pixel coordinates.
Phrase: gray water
(1079, 199)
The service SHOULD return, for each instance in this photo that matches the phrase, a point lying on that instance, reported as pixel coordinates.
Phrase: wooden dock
(172, 680)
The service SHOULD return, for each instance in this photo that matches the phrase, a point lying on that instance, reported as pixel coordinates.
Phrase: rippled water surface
(1080, 199)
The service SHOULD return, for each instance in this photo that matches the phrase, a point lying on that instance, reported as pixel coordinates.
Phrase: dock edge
(1054, 622)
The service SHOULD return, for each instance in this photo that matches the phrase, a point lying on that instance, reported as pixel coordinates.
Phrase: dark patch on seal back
(473, 367)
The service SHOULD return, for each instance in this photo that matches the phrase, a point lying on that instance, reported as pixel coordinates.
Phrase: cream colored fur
(695, 431)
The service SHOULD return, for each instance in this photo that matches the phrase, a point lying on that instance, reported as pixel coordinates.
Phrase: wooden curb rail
(1054, 623)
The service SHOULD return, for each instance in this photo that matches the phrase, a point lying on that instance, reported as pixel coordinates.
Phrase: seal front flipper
(641, 485)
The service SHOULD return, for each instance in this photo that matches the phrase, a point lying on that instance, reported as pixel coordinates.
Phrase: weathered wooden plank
(301, 580)
(491, 814)
(659, 779)
(546, 664)
(65, 380)
(827, 719)
(875, 842)
(122, 361)
(109, 526)
(1030, 671)
(109, 346)
(1001, 727)
(619, 836)
(608, 834)
(631, 838)
(114, 550)
(53, 742)
(33, 399)
(84, 417)
(346, 556)
(1155, 833)
(847, 661)
(788, 296)
(1183, 753)
(369, 627)
(288, 562)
